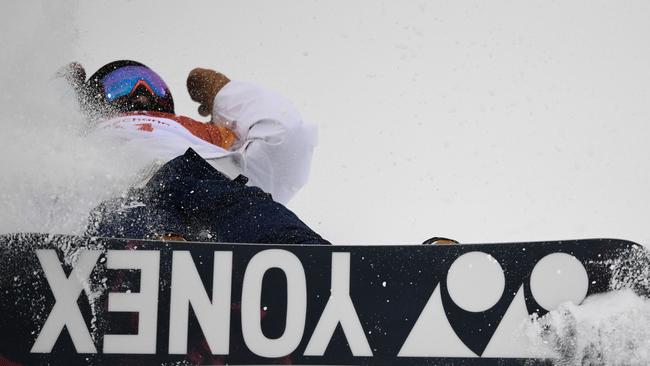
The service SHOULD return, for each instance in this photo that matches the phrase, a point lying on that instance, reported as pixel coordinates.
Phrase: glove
(73, 73)
(203, 85)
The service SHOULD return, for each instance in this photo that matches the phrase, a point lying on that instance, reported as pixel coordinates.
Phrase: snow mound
(606, 329)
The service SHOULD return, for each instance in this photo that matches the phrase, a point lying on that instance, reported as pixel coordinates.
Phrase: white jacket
(274, 148)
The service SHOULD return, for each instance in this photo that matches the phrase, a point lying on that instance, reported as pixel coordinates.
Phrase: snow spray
(52, 175)
(610, 329)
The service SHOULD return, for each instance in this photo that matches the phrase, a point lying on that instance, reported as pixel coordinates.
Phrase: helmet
(128, 86)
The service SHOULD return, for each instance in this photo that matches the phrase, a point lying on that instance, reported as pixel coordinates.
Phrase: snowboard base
(72, 300)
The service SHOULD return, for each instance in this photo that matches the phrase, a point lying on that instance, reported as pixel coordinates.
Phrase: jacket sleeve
(276, 145)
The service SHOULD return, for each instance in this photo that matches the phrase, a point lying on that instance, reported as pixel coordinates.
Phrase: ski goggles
(125, 80)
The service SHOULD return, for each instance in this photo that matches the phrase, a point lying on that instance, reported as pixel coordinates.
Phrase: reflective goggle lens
(124, 80)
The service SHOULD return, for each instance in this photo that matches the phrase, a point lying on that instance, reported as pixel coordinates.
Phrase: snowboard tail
(73, 300)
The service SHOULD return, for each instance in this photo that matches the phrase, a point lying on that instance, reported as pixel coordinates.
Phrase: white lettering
(187, 288)
(145, 302)
(339, 309)
(66, 290)
(251, 302)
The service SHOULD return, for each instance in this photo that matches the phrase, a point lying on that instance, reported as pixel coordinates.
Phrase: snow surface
(483, 121)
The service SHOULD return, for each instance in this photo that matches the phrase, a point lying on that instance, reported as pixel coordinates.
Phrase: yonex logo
(474, 284)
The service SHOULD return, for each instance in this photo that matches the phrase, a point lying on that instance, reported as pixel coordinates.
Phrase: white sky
(482, 121)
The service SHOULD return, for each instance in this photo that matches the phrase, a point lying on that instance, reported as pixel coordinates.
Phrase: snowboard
(67, 300)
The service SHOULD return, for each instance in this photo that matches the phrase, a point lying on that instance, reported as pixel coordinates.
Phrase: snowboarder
(201, 191)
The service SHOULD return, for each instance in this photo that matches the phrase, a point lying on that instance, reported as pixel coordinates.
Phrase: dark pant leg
(188, 197)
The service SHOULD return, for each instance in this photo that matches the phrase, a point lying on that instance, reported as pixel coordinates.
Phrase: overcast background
(482, 121)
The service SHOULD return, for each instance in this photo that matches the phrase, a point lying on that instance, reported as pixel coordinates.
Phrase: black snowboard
(68, 300)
